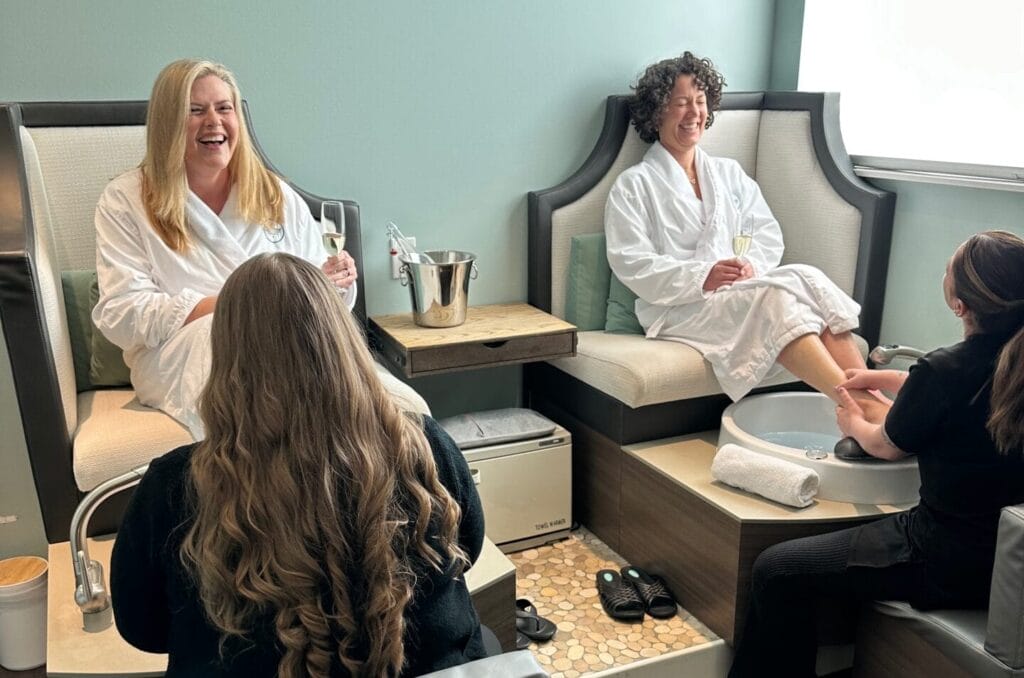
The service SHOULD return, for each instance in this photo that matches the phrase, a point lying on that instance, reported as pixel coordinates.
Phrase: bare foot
(874, 409)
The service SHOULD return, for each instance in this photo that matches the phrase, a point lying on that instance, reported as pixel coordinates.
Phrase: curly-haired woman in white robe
(669, 222)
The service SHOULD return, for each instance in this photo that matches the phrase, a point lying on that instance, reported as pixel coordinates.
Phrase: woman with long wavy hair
(317, 530)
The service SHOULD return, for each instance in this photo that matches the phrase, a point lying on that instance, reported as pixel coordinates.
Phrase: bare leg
(843, 350)
(809, 359)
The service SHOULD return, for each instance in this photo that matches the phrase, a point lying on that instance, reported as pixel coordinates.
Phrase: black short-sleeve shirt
(940, 415)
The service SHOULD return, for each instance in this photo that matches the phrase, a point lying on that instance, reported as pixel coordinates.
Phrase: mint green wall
(438, 115)
(788, 29)
(931, 221)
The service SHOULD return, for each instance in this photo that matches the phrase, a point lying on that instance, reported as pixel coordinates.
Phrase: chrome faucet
(884, 353)
(90, 588)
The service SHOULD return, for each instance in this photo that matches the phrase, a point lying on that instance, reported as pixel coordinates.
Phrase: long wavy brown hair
(312, 492)
(164, 185)
(988, 277)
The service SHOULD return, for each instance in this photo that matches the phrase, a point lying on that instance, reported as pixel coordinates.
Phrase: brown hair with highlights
(312, 492)
(988, 277)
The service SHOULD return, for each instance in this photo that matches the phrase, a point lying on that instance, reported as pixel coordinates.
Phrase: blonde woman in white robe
(669, 223)
(170, 232)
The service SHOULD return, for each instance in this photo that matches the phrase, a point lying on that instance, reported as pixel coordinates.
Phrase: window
(923, 81)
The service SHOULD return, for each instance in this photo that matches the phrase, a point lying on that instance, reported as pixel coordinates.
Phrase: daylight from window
(920, 79)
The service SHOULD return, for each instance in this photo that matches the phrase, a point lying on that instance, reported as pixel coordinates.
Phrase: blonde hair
(987, 277)
(312, 490)
(164, 183)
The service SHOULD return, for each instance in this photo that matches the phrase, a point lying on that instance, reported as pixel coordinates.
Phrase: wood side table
(493, 335)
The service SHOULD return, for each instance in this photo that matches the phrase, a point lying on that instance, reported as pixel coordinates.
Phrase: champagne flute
(332, 221)
(743, 237)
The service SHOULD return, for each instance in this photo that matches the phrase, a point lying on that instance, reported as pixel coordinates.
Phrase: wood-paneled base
(888, 647)
(496, 605)
(704, 553)
(596, 474)
(703, 547)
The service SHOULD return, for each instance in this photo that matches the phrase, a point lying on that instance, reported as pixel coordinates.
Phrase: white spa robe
(147, 289)
(663, 241)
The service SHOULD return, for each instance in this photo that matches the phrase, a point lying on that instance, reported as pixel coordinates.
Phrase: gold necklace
(693, 179)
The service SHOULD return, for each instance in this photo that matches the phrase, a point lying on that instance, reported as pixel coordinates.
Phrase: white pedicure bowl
(801, 428)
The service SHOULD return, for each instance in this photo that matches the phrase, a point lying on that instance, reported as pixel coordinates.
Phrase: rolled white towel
(778, 480)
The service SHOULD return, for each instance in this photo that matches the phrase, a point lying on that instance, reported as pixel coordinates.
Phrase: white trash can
(23, 612)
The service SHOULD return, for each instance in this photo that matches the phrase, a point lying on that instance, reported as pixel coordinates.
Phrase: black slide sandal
(619, 599)
(658, 600)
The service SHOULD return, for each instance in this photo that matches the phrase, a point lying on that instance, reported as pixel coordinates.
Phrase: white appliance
(526, 489)
(525, 485)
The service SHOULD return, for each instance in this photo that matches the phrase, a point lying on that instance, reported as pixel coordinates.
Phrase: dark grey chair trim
(615, 419)
(32, 364)
(25, 332)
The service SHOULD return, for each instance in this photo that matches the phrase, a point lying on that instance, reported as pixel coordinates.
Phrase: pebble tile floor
(560, 579)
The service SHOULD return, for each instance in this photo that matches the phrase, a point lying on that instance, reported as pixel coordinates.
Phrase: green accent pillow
(98, 362)
(76, 285)
(586, 291)
(106, 365)
(621, 317)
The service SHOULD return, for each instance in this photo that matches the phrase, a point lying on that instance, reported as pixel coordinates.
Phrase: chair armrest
(1004, 636)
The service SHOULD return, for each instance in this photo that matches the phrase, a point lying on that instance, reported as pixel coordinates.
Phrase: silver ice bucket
(438, 282)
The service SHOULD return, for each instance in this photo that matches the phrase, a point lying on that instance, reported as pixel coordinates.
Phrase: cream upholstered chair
(789, 143)
(55, 160)
(619, 388)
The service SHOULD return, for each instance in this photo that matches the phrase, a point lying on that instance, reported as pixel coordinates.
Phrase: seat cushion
(958, 634)
(640, 371)
(116, 433)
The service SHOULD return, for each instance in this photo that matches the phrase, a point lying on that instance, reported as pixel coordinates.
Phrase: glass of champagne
(744, 235)
(332, 221)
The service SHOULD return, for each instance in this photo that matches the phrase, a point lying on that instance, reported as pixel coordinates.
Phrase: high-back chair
(55, 160)
(621, 388)
(790, 143)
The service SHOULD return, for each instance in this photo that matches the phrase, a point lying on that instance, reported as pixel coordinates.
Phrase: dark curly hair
(652, 91)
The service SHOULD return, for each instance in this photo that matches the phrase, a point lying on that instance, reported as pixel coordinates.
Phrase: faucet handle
(91, 592)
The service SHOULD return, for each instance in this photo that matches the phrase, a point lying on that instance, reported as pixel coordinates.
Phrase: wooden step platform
(560, 580)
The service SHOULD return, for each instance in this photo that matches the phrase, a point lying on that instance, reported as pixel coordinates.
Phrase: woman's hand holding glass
(729, 271)
(340, 267)
(743, 237)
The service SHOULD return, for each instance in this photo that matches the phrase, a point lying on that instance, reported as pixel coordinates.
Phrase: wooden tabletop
(494, 322)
